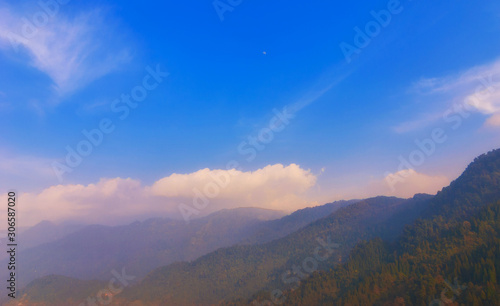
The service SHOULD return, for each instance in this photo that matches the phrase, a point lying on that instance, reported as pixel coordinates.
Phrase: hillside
(274, 229)
(93, 251)
(374, 251)
(42, 233)
(58, 290)
(242, 270)
(451, 256)
(264, 263)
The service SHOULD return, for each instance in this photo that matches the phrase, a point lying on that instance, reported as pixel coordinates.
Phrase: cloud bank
(117, 200)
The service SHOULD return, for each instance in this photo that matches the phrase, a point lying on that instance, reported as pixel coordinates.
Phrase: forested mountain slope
(242, 270)
(449, 257)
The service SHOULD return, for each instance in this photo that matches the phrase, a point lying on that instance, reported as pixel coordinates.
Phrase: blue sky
(225, 79)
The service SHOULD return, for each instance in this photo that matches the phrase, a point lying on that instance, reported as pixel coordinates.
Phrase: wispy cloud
(477, 88)
(487, 101)
(461, 82)
(72, 51)
(315, 94)
(416, 124)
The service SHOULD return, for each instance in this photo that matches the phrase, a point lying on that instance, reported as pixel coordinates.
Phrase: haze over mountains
(43, 232)
(355, 241)
(92, 252)
(240, 271)
(230, 153)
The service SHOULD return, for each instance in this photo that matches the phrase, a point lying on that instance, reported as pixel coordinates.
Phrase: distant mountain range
(382, 250)
(240, 271)
(92, 252)
(43, 232)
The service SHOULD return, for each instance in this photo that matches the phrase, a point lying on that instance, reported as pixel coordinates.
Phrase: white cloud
(486, 101)
(117, 200)
(71, 51)
(406, 183)
(478, 88)
(93, 203)
(272, 179)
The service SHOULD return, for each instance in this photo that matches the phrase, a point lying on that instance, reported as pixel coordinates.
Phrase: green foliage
(460, 241)
(58, 290)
